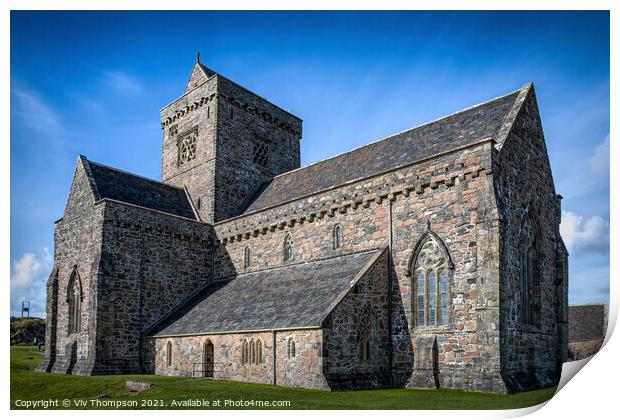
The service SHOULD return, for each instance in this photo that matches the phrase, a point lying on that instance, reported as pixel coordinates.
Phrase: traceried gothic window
(74, 303)
(260, 152)
(365, 332)
(288, 247)
(529, 274)
(187, 147)
(431, 283)
(169, 354)
(337, 237)
(247, 257)
(291, 348)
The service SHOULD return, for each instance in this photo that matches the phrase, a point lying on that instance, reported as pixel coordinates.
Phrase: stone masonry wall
(344, 366)
(228, 120)
(302, 370)
(531, 355)
(196, 110)
(445, 190)
(154, 262)
(77, 239)
(245, 121)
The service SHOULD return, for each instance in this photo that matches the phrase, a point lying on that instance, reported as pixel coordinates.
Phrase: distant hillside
(24, 330)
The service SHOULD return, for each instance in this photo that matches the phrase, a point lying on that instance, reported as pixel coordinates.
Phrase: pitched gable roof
(199, 75)
(469, 126)
(114, 184)
(292, 296)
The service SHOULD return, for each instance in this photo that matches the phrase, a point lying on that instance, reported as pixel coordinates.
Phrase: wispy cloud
(588, 173)
(598, 162)
(28, 279)
(34, 112)
(585, 236)
(122, 82)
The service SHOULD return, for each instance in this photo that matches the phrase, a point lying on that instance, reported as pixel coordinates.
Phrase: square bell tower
(222, 143)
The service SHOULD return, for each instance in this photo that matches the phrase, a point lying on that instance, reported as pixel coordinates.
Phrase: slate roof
(456, 130)
(133, 189)
(295, 295)
(586, 322)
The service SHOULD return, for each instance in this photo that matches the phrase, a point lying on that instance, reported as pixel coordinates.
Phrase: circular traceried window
(187, 148)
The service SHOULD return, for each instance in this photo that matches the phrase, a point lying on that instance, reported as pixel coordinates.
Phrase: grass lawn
(28, 385)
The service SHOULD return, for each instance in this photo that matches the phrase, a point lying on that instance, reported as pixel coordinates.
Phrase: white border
(592, 395)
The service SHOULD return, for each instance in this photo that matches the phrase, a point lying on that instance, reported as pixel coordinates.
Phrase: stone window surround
(366, 331)
(413, 273)
(74, 302)
(337, 237)
(529, 273)
(288, 250)
(169, 353)
(260, 151)
(290, 347)
(252, 352)
(184, 157)
(247, 257)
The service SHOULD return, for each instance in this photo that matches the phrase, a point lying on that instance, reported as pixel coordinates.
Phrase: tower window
(288, 247)
(187, 147)
(337, 237)
(260, 152)
(247, 257)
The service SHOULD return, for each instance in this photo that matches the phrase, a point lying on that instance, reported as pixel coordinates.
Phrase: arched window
(245, 352)
(252, 352)
(291, 348)
(288, 247)
(431, 276)
(529, 273)
(247, 257)
(74, 302)
(259, 351)
(169, 353)
(337, 237)
(365, 334)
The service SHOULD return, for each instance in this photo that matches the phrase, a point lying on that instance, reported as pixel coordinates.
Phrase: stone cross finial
(198, 56)
(428, 224)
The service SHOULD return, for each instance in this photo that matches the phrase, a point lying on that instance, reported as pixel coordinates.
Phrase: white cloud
(28, 281)
(588, 173)
(34, 112)
(598, 163)
(591, 235)
(122, 83)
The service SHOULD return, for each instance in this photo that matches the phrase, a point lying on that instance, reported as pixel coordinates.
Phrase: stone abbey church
(428, 259)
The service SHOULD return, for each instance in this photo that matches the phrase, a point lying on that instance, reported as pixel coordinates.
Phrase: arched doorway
(207, 359)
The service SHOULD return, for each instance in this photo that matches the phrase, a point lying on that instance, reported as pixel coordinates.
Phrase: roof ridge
(401, 132)
(89, 174)
(133, 174)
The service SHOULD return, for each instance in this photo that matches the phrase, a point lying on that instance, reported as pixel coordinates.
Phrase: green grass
(28, 385)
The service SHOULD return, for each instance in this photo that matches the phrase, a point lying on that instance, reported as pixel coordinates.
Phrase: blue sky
(93, 83)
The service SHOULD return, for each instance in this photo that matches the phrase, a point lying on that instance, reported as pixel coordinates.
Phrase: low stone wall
(303, 369)
(583, 349)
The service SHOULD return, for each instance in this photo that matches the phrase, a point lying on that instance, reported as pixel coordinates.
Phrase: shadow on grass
(174, 392)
